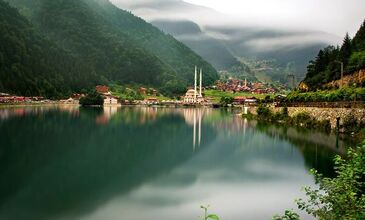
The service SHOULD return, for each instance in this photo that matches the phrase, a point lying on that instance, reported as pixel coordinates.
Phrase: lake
(137, 163)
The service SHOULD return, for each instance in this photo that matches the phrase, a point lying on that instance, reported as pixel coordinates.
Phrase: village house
(104, 90)
(143, 91)
(109, 99)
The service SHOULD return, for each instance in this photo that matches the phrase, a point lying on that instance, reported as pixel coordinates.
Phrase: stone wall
(323, 113)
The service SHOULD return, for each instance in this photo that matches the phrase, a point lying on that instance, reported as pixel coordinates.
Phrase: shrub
(225, 101)
(92, 98)
(264, 113)
(342, 197)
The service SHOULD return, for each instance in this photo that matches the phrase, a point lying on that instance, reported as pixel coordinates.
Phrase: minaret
(245, 82)
(201, 82)
(195, 82)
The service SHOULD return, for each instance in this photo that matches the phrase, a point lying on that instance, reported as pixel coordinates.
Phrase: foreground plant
(208, 216)
(342, 197)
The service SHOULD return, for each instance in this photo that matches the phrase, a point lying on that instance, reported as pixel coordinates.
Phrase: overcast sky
(333, 16)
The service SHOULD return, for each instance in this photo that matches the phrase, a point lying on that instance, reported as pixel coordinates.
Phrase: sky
(260, 25)
(335, 17)
(332, 16)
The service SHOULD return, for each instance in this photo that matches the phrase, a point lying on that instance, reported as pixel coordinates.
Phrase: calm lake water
(152, 163)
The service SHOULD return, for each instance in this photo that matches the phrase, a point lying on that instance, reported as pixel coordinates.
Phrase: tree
(92, 98)
(359, 39)
(225, 101)
(346, 49)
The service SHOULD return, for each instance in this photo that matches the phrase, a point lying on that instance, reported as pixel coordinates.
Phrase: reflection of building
(194, 116)
(108, 112)
(193, 95)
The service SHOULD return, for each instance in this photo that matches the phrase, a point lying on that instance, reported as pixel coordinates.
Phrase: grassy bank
(216, 95)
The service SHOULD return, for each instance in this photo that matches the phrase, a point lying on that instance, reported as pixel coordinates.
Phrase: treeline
(63, 46)
(326, 66)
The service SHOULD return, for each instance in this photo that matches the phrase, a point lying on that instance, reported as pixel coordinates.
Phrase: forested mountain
(327, 65)
(114, 45)
(32, 65)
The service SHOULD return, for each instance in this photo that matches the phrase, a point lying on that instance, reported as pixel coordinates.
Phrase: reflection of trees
(6, 113)
(317, 148)
(59, 165)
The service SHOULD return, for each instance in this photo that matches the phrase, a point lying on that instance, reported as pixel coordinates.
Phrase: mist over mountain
(238, 37)
(211, 49)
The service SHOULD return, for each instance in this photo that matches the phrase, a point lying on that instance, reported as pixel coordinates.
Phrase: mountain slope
(326, 66)
(116, 44)
(209, 48)
(32, 65)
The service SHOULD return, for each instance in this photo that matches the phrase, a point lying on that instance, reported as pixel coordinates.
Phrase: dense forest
(327, 65)
(32, 65)
(69, 45)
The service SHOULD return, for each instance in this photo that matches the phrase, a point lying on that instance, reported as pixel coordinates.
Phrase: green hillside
(32, 65)
(326, 66)
(112, 44)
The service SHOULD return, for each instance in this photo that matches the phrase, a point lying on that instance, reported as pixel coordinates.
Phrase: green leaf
(212, 217)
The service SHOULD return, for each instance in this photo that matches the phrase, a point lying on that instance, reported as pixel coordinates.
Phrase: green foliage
(288, 215)
(212, 217)
(264, 113)
(326, 67)
(31, 65)
(344, 94)
(226, 100)
(357, 61)
(126, 93)
(92, 98)
(342, 197)
(208, 216)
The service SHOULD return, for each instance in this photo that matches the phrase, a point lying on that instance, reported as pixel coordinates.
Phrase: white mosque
(192, 95)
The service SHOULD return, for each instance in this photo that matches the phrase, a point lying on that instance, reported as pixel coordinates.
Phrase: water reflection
(150, 163)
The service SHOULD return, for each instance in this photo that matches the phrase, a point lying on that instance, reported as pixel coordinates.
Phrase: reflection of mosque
(194, 118)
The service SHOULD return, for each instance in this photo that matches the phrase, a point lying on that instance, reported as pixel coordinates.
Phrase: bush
(341, 197)
(225, 101)
(92, 98)
(264, 113)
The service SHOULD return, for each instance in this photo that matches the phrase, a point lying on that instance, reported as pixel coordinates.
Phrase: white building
(109, 100)
(193, 95)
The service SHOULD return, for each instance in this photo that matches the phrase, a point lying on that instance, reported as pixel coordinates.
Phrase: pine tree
(346, 49)
(359, 39)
